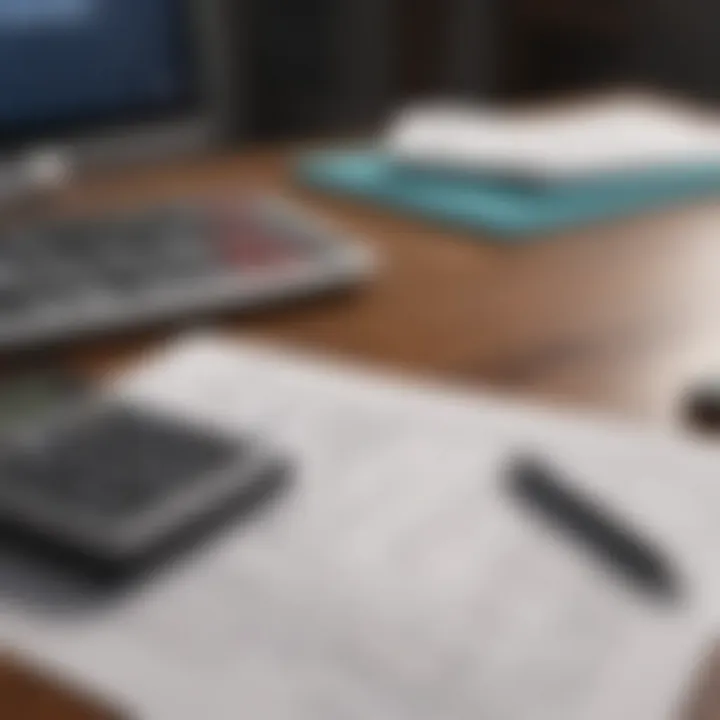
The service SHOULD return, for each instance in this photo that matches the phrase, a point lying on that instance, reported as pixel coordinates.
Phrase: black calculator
(115, 486)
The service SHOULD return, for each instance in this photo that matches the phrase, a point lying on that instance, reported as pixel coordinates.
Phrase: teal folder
(513, 210)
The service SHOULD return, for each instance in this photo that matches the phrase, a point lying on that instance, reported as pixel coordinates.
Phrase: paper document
(396, 580)
(608, 135)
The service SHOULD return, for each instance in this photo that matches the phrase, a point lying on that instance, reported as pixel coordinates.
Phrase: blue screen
(64, 60)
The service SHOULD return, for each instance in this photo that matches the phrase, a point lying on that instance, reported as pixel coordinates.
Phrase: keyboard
(62, 279)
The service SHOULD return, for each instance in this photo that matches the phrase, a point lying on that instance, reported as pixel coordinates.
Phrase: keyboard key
(77, 275)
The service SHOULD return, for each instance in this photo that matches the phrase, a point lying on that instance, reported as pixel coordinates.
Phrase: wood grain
(616, 319)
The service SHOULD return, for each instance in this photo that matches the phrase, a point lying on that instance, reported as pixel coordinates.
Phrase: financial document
(396, 579)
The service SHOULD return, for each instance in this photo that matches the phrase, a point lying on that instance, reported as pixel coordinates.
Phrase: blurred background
(320, 64)
(298, 68)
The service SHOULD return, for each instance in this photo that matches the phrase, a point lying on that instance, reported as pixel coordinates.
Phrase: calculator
(114, 487)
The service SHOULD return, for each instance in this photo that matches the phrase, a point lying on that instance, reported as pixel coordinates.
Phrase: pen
(588, 523)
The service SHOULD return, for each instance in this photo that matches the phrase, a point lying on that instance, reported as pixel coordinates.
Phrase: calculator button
(116, 465)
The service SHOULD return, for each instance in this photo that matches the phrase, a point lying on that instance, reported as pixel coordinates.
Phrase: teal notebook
(509, 208)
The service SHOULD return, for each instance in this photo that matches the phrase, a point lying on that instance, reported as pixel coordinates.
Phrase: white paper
(611, 134)
(396, 581)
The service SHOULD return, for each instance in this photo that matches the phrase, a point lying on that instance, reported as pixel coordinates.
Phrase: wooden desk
(613, 319)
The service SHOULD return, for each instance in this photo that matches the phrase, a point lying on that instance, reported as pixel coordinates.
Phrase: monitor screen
(67, 66)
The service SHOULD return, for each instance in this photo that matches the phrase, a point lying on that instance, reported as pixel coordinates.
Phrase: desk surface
(617, 318)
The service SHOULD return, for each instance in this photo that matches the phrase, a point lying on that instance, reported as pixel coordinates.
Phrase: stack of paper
(613, 134)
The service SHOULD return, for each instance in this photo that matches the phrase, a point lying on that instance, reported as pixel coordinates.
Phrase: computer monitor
(100, 81)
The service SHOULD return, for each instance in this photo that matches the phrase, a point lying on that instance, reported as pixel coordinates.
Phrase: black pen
(606, 536)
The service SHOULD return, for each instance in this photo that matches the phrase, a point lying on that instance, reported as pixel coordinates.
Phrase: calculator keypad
(113, 466)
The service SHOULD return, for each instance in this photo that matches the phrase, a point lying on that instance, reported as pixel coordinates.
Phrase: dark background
(513, 50)
(324, 67)
(529, 48)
